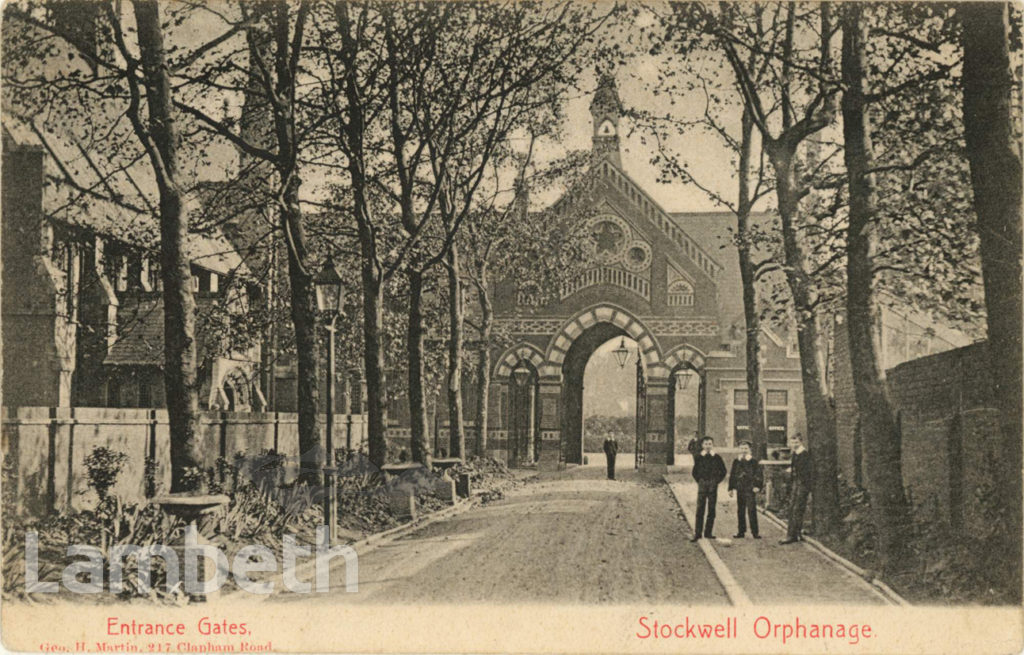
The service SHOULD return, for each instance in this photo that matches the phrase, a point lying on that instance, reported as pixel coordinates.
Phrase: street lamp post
(329, 297)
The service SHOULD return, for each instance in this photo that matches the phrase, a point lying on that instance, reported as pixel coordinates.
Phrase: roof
(140, 330)
(140, 340)
(119, 203)
(711, 231)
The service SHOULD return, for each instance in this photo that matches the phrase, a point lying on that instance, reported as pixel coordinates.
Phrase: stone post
(657, 425)
(550, 396)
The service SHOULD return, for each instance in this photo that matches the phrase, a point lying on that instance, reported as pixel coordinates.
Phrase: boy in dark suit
(708, 471)
(745, 480)
(803, 476)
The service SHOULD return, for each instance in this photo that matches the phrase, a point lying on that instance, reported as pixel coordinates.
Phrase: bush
(104, 466)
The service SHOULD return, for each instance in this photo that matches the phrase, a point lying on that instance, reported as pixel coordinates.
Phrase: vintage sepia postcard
(511, 326)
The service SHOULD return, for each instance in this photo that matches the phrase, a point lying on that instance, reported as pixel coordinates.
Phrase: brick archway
(520, 352)
(684, 354)
(629, 324)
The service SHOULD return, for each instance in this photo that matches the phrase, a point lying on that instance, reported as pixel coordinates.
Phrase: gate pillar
(657, 425)
(549, 397)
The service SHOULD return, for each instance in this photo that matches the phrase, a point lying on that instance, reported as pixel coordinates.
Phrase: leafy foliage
(103, 466)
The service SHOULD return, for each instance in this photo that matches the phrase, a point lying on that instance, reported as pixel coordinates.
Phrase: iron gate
(641, 412)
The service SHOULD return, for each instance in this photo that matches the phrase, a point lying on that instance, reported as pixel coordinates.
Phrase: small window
(214, 283)
(778, 427)
(777, 398)
(122, 274)
(195, 284)
(741, 425)
(739, 397)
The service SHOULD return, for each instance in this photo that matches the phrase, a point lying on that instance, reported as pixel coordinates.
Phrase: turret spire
(606, 110)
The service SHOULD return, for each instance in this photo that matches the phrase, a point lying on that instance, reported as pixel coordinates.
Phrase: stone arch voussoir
(560, 343)
(685, 354)
(520, 351)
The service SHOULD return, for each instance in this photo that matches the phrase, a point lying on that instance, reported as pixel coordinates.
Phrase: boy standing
(708, 471)
(745, 480)
(803, 478)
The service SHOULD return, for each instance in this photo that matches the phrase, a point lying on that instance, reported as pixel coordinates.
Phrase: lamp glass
(621, 353)
(521, 374)
(330, 293)
(683, 377)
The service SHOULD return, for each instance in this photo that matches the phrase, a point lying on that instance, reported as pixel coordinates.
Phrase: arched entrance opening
(573, 370)
(687, 400)
(610, 399)
(517, 374)
(523, 429)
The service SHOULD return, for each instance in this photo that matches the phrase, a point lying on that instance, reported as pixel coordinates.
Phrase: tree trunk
(303, 300)
(369, 269)
(303, 314)
(821, 429)
(881, 438)
(994, 155)
(417, 402)
(755, 404)
(373, 361)
(457, 432)
(180, 378)
(483, 370)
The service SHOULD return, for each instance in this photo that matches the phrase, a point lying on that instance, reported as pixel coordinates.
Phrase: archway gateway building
(669, 282)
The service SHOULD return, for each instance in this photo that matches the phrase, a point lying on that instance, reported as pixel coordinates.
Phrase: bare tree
(994, 153)
(877, 420)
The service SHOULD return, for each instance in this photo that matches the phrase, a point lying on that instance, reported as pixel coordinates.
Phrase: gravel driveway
(573, 538)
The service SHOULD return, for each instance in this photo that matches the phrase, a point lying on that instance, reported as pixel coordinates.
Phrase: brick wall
(45, 448)
(949, 430)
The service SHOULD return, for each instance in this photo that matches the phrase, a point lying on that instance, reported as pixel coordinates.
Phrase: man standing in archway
(611, 449)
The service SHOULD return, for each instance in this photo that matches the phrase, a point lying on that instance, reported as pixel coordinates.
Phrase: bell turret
(606, 110)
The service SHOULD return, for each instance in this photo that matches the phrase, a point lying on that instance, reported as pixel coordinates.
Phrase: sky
(635, 78)
(703, 153)
(609, 390)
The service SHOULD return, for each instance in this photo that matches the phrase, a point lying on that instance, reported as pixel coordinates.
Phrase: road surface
(577, 538)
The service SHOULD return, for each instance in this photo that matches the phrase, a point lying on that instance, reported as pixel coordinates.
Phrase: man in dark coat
(708, 471)
(745, 480)
(802, 471)
(611, 449)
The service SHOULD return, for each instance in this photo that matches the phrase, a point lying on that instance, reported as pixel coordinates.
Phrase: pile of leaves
(483, 471)
(489, 478)
(362, 505)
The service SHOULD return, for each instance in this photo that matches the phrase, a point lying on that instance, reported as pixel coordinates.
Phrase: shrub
(104, 466)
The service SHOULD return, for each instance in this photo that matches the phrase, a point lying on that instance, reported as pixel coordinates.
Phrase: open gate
(641, 412)
(521, 435)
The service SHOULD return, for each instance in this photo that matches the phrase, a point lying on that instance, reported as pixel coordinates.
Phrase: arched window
(680, 294)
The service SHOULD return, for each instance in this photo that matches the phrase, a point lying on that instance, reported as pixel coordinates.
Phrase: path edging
(878, 585)
(733, 590)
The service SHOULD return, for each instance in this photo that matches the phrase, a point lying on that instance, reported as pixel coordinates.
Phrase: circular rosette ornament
(637, 257)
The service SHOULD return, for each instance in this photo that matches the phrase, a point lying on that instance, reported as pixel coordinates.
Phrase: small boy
(745, 480)
(708, 471)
